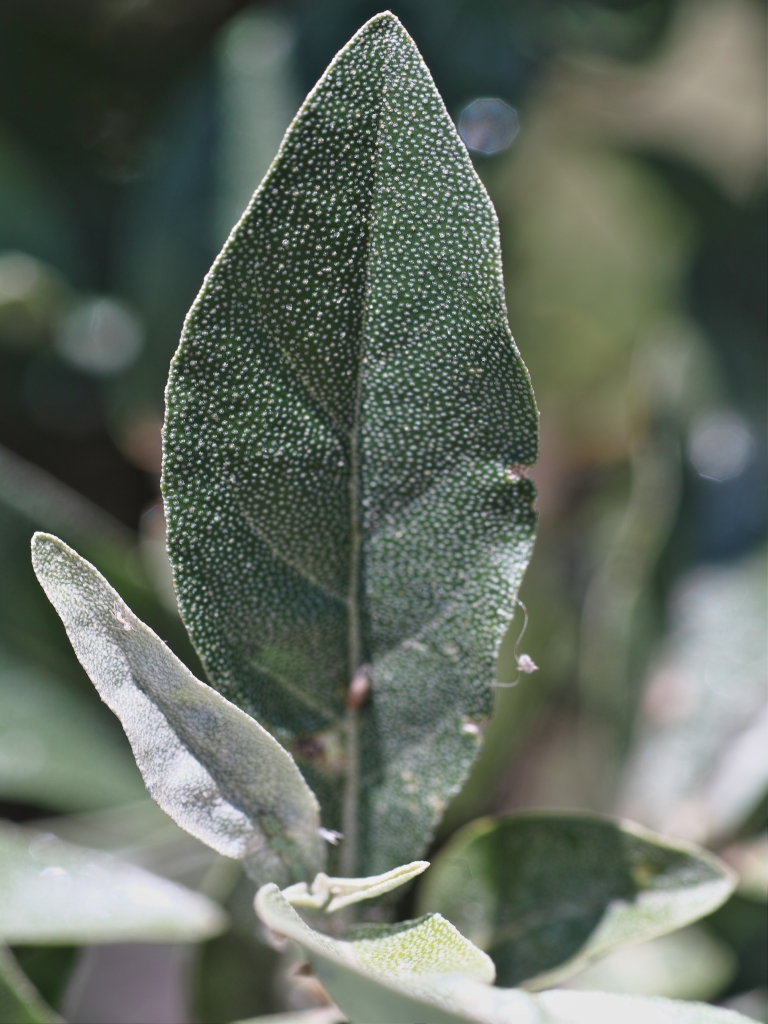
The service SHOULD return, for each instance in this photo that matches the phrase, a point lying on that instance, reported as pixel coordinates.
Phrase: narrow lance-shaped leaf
(347, 418)
(210, 766)
(53, 892)
(424, 970)
(546, 894)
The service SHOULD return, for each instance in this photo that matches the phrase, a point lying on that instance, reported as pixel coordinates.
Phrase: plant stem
(348, 859)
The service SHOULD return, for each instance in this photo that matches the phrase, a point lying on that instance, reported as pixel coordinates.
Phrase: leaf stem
(348, 858)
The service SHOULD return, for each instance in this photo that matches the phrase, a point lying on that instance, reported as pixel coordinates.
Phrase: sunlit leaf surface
(347, 418)
(211, 767)
(545, 894)
(53, 892)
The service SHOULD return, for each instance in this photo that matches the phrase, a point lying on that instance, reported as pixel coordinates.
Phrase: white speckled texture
(347, 415)
(213, 769)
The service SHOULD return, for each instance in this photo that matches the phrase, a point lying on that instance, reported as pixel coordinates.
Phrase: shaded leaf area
(53, 892)
(424, 970)
(20, 1003)
(210, 766)
(344, 418)
(546, 894)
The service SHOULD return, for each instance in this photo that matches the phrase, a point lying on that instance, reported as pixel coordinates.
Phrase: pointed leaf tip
(342, 413)
(211, 767)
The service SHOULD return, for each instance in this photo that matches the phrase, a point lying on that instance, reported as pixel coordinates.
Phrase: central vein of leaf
(348, 855)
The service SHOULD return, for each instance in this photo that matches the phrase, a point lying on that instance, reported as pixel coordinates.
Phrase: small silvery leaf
(348, 419)
(210, 766)
(52, 892)
(331, 894)
(546, 893)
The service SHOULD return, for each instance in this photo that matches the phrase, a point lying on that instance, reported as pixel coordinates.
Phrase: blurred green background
(623, 144)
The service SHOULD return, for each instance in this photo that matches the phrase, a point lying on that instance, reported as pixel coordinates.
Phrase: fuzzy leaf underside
(546, 894)
(210, 766)
(346, 415)
(424, 970)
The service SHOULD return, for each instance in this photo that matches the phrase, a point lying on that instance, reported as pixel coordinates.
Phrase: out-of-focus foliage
(545, 894)
(19, 1002)
(53, 892)
(632, 207)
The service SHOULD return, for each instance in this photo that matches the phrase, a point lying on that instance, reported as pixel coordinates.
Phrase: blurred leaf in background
(632, 201)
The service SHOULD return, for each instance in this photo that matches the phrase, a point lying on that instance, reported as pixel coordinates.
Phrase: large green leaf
(546, 894)
(424, 970)
(210, 766)
(347, 418)
(52, 892)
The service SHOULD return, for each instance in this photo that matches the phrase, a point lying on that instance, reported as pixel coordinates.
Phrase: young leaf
(332, 894)
(52, 892)
(546, 894)
(347, 415)
(20, 1003)
(404, 973)
(214, 770)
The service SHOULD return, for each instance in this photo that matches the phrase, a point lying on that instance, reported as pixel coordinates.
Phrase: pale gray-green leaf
(686, 964)
(392, 978)
(53, 892)
(545, 894)
(210, 766)
(332, 894)
(566, 1007)
(20, 1003)
(347, 416)
(424, 971)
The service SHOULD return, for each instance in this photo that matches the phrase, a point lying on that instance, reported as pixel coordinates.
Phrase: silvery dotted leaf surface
(347, 422)
(211, 767)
